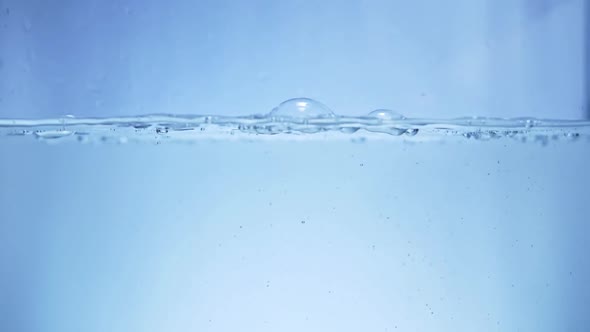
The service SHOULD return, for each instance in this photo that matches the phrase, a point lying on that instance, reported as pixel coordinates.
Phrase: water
(290, 222)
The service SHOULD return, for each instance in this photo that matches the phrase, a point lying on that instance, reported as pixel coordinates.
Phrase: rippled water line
(365, 121)
(293, 118)
(194, 127)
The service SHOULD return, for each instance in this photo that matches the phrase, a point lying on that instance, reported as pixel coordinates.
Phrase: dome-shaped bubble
(302, 108)
(385, 114)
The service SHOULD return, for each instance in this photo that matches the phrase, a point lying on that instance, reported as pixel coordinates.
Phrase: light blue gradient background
(458, 235)
(423, 58)
(455, 236)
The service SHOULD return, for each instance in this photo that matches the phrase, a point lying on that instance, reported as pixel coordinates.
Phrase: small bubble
(53, 134)
(394, 131)
(162, 130)
(510, 133)
(482, 135)
(349, 130)
(385, 114)
(302, 108)
(412, 132)
(139, 125)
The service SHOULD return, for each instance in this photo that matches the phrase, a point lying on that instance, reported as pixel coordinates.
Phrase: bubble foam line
(196, 120)
(191, 127)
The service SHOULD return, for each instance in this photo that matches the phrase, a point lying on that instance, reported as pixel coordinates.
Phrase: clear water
(299, 220)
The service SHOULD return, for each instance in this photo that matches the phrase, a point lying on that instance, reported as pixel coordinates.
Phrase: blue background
(422, 58)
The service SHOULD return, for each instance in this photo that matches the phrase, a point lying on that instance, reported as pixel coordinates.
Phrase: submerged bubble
(482, 135)
(394, 131)
(302, 108)
(385, 114)
(349, 130)
(161, 130)
(140, 125)
(19, 133)
(53, 134)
